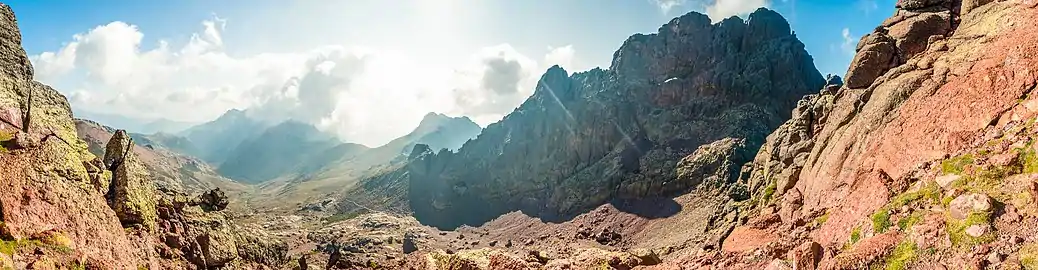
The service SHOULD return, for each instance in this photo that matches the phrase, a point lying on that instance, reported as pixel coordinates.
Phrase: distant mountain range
(330, 172)
(293, 158)
(135, 125)
(170, 169)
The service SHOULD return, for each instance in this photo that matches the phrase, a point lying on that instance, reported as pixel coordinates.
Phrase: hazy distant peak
(433, 121)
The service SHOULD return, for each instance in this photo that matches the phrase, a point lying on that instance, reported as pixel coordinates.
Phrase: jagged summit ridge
(582, 139)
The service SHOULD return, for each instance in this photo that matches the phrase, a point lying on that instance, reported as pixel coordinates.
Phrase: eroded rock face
(213, 200)
(207, 239)
(45, 190)
(943, 85)
(585, 138)
(70, 206)
(131, 192)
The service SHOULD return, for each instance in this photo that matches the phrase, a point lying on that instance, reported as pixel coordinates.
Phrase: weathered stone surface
(877, 133)
(977, 230)
(779, 264)
(913, 34)
(806, 256)
(583, 139)
(945, 180)
(918, 4)
(969, 5)
(209, 239)
(44, 186)
(863, 253)
(212, 200)
(131, 192)
(714, 163)
(962, 206)
(218, 248)
(878, 55)
(744, 239)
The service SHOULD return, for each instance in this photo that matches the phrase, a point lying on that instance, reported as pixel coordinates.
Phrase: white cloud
(364, 95)
(667, 5)
(562, 56)
(722, 9)
(848, 45)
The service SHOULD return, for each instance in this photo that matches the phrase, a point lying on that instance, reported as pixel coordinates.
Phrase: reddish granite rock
(744, 239)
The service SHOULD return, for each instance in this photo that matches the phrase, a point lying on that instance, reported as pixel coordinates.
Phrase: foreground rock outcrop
(62, 207)
(921, 160)
(587, 138)
(168, 169)
(131, 192)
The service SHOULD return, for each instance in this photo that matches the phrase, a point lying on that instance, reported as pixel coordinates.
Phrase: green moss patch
(931, 192)
(881, 220)
(57, 242)
(4, 137)
(769, 191)
(957, 164)
(855, 235)
(822, 219)
(902, 256)
(957, 230)
(1029, 256)
(906, 223)
(340, 217)
(1029, 159)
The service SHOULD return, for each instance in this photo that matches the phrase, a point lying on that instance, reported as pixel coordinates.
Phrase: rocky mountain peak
(433, 121)
(585, 138)
(670, 52)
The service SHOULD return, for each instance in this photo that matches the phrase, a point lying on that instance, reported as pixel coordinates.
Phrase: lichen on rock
(131, 192)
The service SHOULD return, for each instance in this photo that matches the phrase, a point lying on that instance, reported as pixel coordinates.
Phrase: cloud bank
(717, 9)
(365, 95)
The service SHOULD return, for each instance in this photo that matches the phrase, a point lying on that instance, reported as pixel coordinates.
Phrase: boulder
(806, 256)
(779, 264)
(714, 162)
(977, 230)
(961, 207)
(970, 5)
(945, 180)
(876, 56)
(409, 242)
(257, 246)
(218, 248)
(646, 256)
(918, 4)
(212, 200)
(131, 192)
(913, 34)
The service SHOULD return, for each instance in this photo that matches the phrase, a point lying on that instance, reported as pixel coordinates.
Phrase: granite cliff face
(924, 159)
(589, 137)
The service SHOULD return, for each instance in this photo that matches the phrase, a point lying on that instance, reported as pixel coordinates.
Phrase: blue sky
(192, 60)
